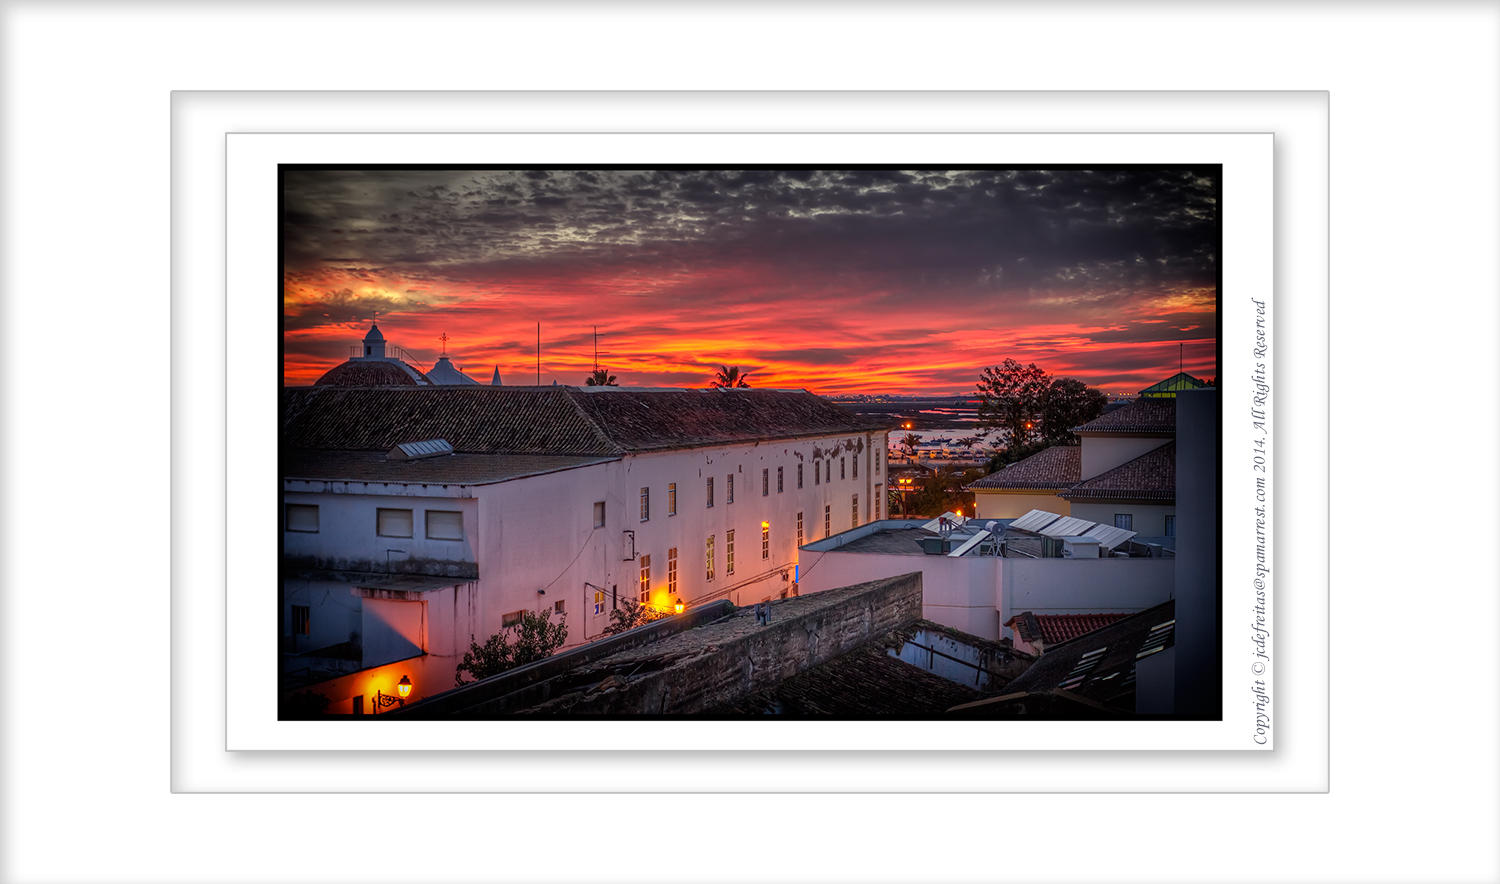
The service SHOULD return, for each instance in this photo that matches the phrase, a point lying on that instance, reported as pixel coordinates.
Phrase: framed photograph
(828, 435)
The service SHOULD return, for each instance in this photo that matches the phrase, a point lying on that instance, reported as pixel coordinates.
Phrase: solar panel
(417, 450)
(1034, 521)
(1109, 536)
(969, 544)
(1069, 525)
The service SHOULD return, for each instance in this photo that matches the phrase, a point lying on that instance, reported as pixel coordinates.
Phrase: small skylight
(419, 450)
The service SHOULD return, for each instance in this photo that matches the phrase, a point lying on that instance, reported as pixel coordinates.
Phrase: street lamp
(403, 690)
(679, 606)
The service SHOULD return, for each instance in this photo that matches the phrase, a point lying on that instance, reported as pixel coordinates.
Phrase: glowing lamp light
(765, 524)
(679, 607)
(403, 687)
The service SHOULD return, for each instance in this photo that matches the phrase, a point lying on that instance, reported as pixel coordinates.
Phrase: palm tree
(910, 442)
(729, 376)
(601, 378)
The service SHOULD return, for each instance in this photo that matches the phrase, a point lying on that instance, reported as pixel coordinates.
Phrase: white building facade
(653, 496)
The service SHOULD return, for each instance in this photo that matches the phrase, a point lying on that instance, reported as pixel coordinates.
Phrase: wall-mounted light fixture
(679, 607)
(403, 690)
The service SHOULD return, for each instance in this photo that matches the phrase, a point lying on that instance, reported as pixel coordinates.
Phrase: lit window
(671, 498)
(729, 490)
(765, 540)
(729, 551)
(828, 520)
(854, 512)
(301, 619)
(799, 529)
(598, 601)
(598, 514)
(393, 523)
(645, 504)
(765, 482)
(780, 486)
(1123, 520)
(710, 491)
(672, 571)
(511, 619)
(645, 579)
(445, 525)
(709, 551)
(302, 518)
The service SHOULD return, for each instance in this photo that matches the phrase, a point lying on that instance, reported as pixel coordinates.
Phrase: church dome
(373, 336)
(372, 373)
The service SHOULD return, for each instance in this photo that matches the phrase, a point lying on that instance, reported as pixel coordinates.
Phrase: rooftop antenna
(538, 354)
(596, 348)
(1179, 357)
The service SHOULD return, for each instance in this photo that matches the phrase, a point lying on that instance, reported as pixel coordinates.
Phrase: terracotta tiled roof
(1146, 416)
(1052, 629)
(659, 419)
(1100, 665)
(372, 373)
(477, 419)
(554, 420)
(1055, 467)
(1152, 476)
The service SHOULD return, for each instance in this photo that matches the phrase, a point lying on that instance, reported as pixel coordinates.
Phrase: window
(780, 485)
(511, 619)
(1171, 527)
(393, 523)
(1123, 520)
(799, 475)
(828, 470)
(671, 498)
(729, 489)
(645, 595)
(799, 529)
(828, 520)
(598, 514)
(856, 466)
(710, 491)
(558, 606)
(765, 482)
(598, 601)
(729, 551)
(817, 473)
(854, 512)
(765, 540)
(842, 475)
(709, 549)
(301, 620)
(879, 496)
(645, 504)
(302, 517)
(445, 525)
(672, 571)
(357, 702)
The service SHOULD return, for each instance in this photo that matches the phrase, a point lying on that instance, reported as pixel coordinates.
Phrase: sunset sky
(837, 281)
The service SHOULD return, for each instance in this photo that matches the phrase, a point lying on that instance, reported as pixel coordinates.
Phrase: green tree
(601, 378)
(729, 376)
(1069, 403)
(910, 442)
(630, 615)
(1011, 397)
(534, 638)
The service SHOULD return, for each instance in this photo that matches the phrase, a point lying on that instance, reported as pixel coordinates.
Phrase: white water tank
(1080, 548)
